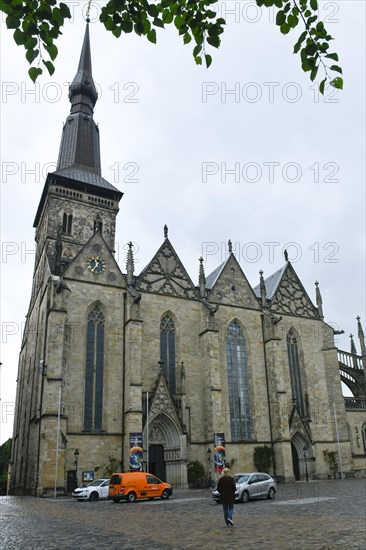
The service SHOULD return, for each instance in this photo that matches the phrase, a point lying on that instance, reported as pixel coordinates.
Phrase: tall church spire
(80, 148)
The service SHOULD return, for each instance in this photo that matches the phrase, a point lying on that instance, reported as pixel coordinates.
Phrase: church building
(152, 370)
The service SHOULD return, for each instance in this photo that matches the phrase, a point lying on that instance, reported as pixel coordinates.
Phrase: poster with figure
(136, 452)
(219, 451)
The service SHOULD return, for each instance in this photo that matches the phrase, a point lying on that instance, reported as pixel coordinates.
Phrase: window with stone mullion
(295, 373)
(94, 371)
(167, 350)
(238, 384)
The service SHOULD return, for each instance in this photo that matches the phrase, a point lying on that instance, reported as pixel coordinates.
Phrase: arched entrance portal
(301, 450)
(167, 450)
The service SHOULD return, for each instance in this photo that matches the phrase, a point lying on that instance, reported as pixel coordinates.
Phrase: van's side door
(153, 486)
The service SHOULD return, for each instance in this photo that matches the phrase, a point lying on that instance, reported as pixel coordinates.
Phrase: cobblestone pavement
(322, 515)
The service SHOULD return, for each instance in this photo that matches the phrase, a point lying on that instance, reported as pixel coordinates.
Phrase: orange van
(132, 485)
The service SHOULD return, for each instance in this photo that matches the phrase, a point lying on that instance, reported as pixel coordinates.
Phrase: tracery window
(237, 372)
(94, 370)
(295, 374)
(167, 350)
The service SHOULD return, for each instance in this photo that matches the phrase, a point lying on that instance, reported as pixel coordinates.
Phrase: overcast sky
(247, 150)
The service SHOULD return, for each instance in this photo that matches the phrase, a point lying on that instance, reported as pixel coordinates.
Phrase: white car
(93, 491)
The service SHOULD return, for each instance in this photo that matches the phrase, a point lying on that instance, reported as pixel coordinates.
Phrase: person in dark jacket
(226, 487)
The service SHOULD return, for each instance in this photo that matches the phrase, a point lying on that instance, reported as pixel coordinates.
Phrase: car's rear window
(115, 480)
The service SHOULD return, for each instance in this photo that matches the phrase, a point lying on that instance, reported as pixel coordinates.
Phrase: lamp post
(306, 463)
(209, 452)
(76, 456)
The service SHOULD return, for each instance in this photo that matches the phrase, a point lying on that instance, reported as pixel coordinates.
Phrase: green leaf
(321, 86)
(337, 83)
(34, 72)
(151, 36)
(179, 21)
(280, 18)
(52, 51)
(167, 17)
(314, 72)
(198, 60)
(197, 50)
(12, 22)
(333, 56)
(314, 5)
(50, 67)
(158, 22)
(30, 43)
(214, 41)
(285, 28)
(187, 38)
(117, 32)
(208, 60)
(336, 68)
(31, 55)
(65, 12)
(20, 37)
(153, 10)
(126, 26)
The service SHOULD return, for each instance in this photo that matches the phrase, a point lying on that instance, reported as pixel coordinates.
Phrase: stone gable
(290, 296)
(166, 275)
(232, 287)
(95, 252)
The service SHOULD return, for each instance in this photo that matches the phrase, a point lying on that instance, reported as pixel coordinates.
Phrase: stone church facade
(107, 355)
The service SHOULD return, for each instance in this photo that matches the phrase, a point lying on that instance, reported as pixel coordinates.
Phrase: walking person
(226, 487)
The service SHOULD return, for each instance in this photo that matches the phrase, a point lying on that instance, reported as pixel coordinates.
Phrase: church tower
(61, 384)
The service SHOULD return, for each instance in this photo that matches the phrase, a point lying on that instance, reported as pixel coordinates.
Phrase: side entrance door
(71, 481)
(156, 461)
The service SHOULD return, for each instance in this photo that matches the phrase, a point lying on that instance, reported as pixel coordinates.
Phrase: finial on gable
(202, 279)
(130, 265)
(361, 336)
(165, 231)
(230, 245)
(319, 301)
(262, 287)
(285, 255)
(353, 347)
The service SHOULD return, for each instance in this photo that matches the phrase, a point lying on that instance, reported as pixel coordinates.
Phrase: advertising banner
(136, 452)
(219, 451)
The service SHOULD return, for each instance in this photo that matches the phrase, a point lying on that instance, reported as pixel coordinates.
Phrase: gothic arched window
(67, 223)
(237, 374)
(295, 374)
(94, 370)
(363, 434)
(167, 350)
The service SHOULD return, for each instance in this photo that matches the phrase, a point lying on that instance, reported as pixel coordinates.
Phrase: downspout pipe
(268, 398)
(123, 378)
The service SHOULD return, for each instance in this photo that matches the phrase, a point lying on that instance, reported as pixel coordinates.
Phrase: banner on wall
(219, 451)
(136, 452)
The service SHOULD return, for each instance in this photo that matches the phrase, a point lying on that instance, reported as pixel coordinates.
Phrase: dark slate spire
(319, 301)
(80, 148)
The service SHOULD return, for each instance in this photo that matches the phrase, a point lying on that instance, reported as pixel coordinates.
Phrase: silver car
(251, 485)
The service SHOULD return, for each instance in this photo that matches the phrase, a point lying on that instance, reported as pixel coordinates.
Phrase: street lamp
(209, 452)
(306, 463)
(76, 456)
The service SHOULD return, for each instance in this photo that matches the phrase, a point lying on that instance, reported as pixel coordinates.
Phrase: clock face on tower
(96, 264)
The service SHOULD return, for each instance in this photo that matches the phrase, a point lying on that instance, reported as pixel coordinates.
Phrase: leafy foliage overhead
(37, 24)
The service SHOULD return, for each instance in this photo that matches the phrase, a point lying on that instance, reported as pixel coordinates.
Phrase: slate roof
(212, 277)
(271, 283)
